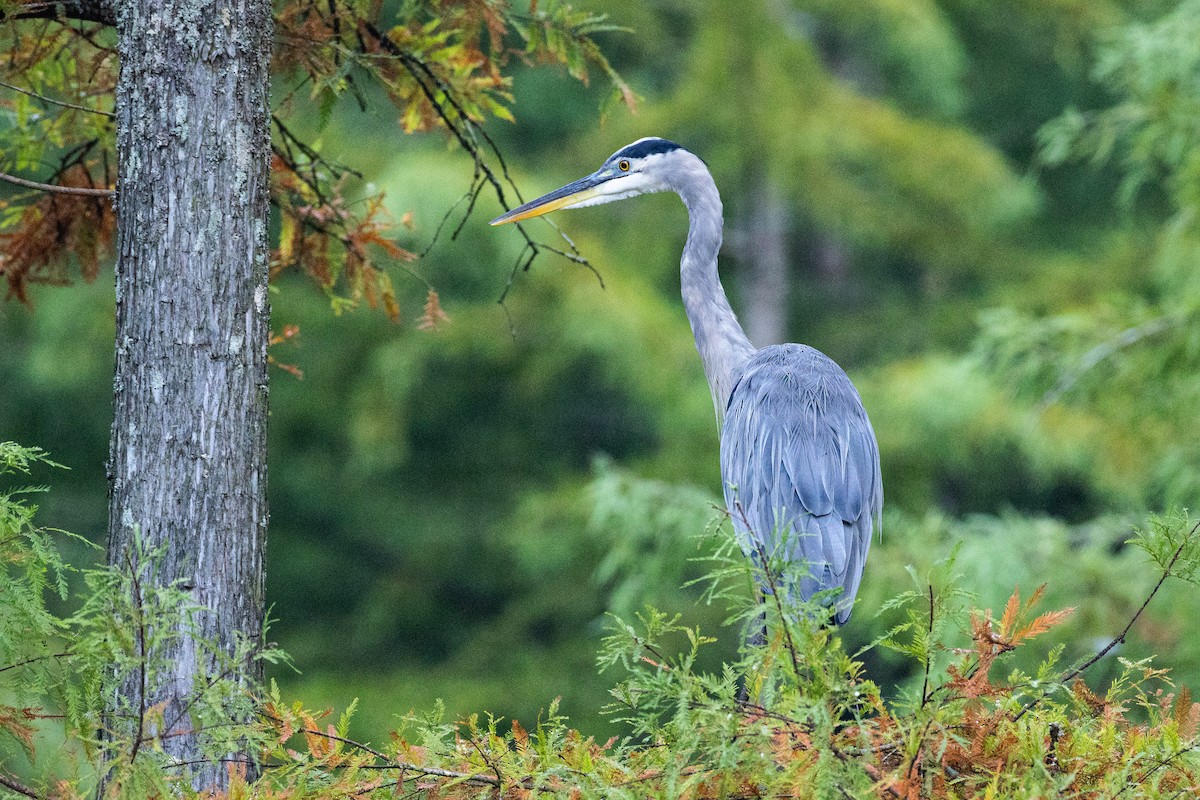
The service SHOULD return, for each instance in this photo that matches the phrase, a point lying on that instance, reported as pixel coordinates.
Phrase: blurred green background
(453, 512)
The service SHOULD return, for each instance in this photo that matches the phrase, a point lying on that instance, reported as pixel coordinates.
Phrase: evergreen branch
(495, 767)
(186, 708)
(1126, 338)
(928, 655)
(193, 762)
(1159, 764)
(335, 738)
(62, 103)
(56, 189)
(772, 584)
(1077, 671)
(468, 777)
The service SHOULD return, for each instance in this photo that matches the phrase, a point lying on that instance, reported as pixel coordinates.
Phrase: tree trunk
(767, 273)
(832, 262)
(188, 457)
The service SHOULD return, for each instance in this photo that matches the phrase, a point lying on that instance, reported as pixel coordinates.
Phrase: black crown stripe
(645, 148)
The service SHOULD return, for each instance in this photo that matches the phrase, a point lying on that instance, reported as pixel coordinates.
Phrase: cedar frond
(433, 316)
(1011, 609)
(1042, 624)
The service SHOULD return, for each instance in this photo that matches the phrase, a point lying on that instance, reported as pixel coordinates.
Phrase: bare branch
(1126, 338)
(62, 103)
(56, 189)
(14, 785)
(35, 659)
(467, 133)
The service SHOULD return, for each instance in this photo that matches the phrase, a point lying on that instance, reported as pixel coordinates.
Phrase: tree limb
(62, 103)
(101, 11)
(55, 188)
(1126, 338)
(14, 785)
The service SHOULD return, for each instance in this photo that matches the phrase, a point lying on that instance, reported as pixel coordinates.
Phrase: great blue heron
(799, 461)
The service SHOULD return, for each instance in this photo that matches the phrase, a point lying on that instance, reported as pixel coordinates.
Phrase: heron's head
(645, 166)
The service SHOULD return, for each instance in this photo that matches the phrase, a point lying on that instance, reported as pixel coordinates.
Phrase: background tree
(188, 456)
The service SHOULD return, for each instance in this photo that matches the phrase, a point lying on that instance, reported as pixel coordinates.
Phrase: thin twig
(187, 707)
(35, 659)
(1126, 338)
(62, 103)
(141, 639)
(437, 232)
(773, 586)
(929, 656)
(1162, 762)
(495, 767)
(1077, 671)
(520, 264)
(56, 189)
(436, 91)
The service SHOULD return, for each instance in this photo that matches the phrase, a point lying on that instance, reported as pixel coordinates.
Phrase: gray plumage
(799, 461)
(801, 468)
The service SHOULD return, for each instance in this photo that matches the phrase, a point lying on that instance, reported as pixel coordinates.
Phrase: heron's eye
(624, 165)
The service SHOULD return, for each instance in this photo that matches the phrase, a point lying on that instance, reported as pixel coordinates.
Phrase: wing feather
(800, 465)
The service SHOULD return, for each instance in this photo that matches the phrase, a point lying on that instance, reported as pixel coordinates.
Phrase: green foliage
(1127, 360)
(1152, 131)
(59, 673)
(29, 567)
(855, 164)
(1172, 544)
(812, 724)
(910, 43)
(795, 716)
(937, 599)
(648, 533)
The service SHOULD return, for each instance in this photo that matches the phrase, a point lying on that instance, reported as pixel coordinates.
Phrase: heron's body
(799, 462)
(801, 468)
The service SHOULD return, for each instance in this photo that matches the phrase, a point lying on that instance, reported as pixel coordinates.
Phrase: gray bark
(188, 457)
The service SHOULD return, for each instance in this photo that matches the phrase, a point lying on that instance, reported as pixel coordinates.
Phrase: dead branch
(56, 189)
(53, 101)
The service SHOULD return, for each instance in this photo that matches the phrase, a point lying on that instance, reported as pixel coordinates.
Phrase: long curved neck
(720, 339)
